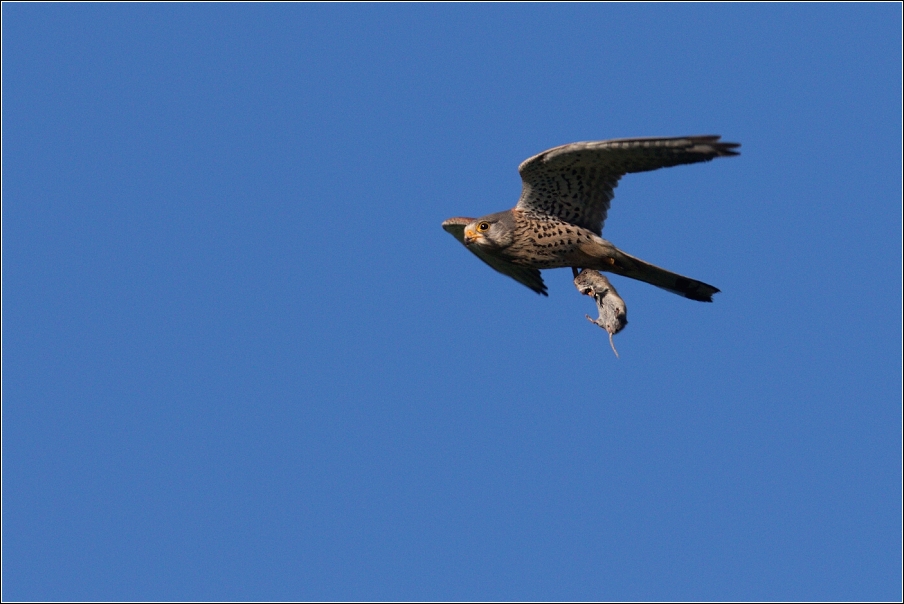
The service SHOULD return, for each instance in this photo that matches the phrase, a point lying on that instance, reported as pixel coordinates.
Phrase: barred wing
(575, 182)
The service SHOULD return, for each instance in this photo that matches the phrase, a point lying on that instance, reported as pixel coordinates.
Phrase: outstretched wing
(575, 182)
(527, 276)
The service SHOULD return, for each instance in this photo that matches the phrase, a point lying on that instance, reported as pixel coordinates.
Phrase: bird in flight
(565, 196)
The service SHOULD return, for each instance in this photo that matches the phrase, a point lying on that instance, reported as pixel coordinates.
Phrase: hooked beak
(470, 237)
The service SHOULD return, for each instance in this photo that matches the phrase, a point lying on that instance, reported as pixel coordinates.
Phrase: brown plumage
(565, 197)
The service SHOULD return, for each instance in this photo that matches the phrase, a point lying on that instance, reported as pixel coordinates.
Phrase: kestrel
(565, 195)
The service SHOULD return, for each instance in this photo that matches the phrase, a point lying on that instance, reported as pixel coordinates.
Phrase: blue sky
(242, 360)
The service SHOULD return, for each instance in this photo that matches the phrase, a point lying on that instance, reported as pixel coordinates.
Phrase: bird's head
(493, 232)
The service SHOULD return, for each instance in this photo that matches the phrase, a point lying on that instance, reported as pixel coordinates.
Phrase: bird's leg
(575, 271)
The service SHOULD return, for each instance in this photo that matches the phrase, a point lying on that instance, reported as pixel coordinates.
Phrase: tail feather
(635, 268)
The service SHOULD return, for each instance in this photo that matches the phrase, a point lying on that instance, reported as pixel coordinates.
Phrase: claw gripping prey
(613, 313)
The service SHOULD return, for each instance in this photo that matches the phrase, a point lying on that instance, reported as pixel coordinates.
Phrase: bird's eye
(483, 226)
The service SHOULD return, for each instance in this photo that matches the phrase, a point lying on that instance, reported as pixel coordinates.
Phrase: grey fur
(612, 308)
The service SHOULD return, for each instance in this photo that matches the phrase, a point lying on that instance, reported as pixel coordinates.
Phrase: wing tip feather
(456, 221)
(713, 142)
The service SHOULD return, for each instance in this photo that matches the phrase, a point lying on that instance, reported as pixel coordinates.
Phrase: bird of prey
(565, 195)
